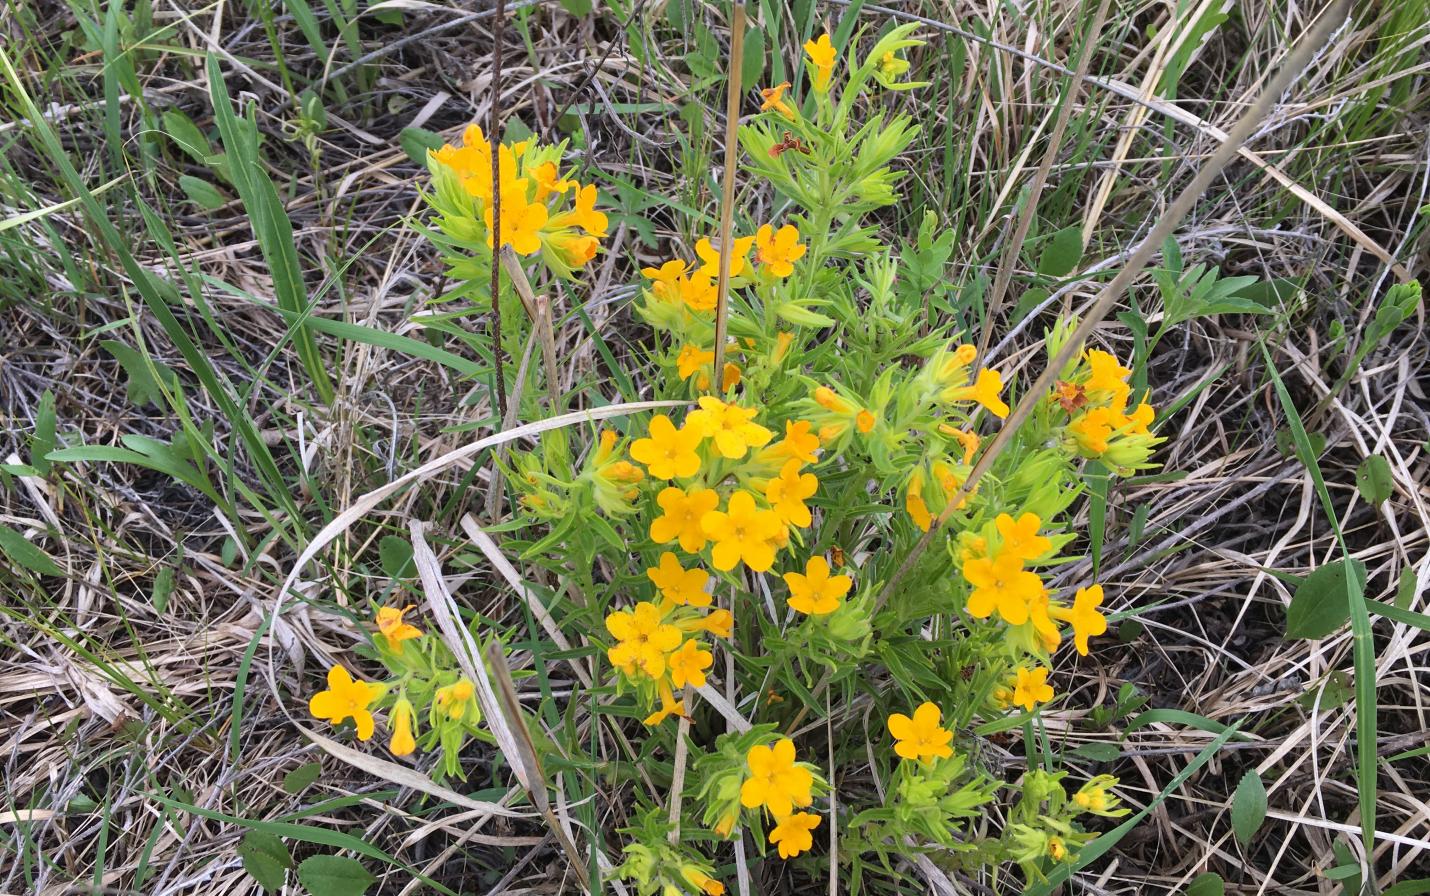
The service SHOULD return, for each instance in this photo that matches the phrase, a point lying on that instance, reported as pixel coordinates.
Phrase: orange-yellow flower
(669, 453)
(1108, 376)
(665, 280)
(921, 737)
(679, 585)
(914, 503)
(778, 250)
(402, 743)
(710, 256)
(720, 623)
(731, 427)
(864, 421)
(821, 57)
(773, 98)
(800, 443)
(1086, 621)
(1001, 583)
(688, 665)
(985, 391)
(1032, 688)
(830, 400)
(682, 517)
(691, 359)
(787, 493)
(793, 834)
(643, 638)
(521, 221)
(742, 531)
(776, 781)
(346, 699)
(572, 249)
(393, 629)
(1021, 538)
(584, 213)
(816, 592)
(549, 180)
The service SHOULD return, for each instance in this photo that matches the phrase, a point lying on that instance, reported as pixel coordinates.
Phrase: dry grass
(121, 704)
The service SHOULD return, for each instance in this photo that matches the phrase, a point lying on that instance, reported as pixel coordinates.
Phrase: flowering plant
(812, 516)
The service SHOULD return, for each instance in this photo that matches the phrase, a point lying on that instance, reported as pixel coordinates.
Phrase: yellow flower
(1057, 850)
(669, 453)
(393, 629)
(969, 441)
(643, 638)
(572, 250)
(1093, 429)
(742, 532)
(777, 250)
(921, 737)
(864, 421)
(1040, 610)
(800, 443)
(773, 98)
(699, 291)
(776, 781)
(691, 358)
(1021, 538)
(666, 280)
(1140, 419)
(1108, 376)
(914, 502)
(788, 491)
(783, 340)
(346, 699)
(402, 743)
(1001, 583)
(688, 665)
(720, 623)
(669, 706)
(830, 400)
(521, 221)
(793, 834)
(985, 391)
(821, 56)
(681, 520)
(702, 881)
(455, 698)
(816, 592)
(679, 585)
(1032, 688)
(1086, 621)
(711, 256)
(583, 215)
(730, 425)
(548, 181)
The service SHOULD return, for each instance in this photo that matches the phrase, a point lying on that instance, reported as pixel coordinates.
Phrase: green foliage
(265, 858)
(1319, 605)
(1248, 807)
(1374, 480)
(334, 876)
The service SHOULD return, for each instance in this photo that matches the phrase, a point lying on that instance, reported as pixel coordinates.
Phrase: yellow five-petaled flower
(731, 427)
(776, 781)
(793, 833)
(346, 699)
(669, 453)
(681, 586)
(743, 531)
(683, 512)
(816, 592)
(921, 737)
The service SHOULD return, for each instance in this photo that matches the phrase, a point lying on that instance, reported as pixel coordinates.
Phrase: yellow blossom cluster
(776, 782)
(542, 210)
(1096, 399)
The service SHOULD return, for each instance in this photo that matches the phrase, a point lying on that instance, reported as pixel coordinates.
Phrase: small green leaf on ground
(1097, 752)
(143, 381)
(1062, 253)
(1373, 480)
(1320, 604)
(1405, 590)
(298, 779)
(202, 193)
(1248, 807)
(1336, 693)
(1209, 884)
(334, 876)
(23, 553)
(395, 554)
(265, 858)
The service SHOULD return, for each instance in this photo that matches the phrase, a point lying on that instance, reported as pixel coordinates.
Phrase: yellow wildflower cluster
(422, 673)
(1095, 398)
(542, 210)
(779, 784)
(658, 647)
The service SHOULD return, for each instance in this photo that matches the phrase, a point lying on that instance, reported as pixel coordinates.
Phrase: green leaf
(577, 7)
(1337, 692)
(187, 136)
(1405, 590)
(1373, 480)
(296, 781)
(1408, 888)
(752, 65)
(395, 554)
(163, 589)
(334, 876)
(1209, 884)
(416, 141)
(1320, 605)
(42, 442)
(22, 553)
(1062, 253)
(202, 193)
(265, 858)
(1097, 752)
(1248, 807)
(143, 374)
